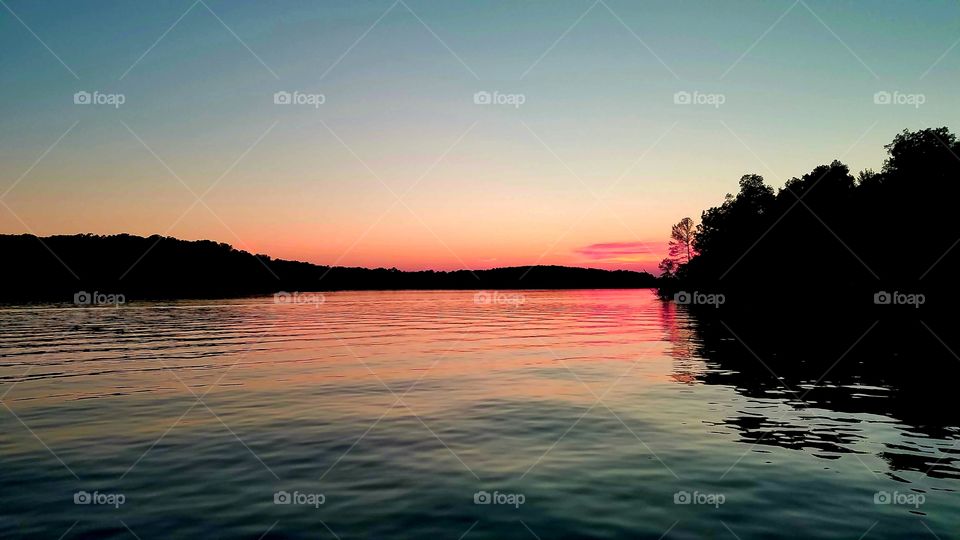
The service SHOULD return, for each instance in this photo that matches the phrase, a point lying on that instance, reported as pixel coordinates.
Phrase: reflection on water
(838, 396)
(606, 411)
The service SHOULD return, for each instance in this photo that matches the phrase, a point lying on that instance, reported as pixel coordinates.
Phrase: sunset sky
(399, 166)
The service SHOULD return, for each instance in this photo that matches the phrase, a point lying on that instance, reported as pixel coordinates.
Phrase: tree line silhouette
(56, 268)
(825, 239)
(828, 240)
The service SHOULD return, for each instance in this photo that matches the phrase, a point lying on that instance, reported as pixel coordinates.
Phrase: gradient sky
(591, 170)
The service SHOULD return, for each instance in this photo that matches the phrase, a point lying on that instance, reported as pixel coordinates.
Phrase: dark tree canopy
(828, 236)
(57, 267)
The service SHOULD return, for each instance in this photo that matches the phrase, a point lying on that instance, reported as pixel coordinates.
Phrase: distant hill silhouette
(56, 268)
(829, 242)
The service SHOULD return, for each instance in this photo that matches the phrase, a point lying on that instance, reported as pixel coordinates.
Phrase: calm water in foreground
(580, 414)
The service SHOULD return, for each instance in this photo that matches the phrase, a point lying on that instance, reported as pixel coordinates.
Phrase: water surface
(600, 411)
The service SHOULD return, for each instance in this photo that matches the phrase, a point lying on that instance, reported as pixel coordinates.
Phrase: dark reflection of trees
(680, 333)
(898, 371)
(937, 466)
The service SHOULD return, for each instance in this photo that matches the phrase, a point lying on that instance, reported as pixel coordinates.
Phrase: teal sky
(503, 185)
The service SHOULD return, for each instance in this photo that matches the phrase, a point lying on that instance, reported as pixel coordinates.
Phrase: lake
(455, 414)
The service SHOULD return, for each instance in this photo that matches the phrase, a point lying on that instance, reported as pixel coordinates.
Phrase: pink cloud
(618, 251)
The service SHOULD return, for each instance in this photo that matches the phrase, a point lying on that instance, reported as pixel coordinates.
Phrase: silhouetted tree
(828, 236)
(668, 267)
(681, 241)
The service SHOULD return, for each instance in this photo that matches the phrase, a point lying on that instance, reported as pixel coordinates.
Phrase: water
(597, 410)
